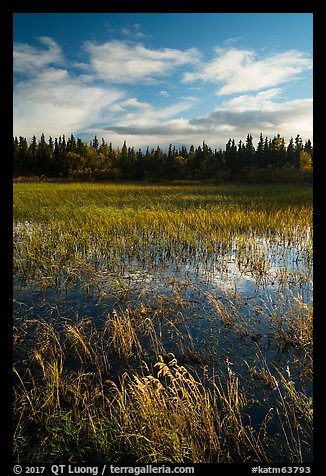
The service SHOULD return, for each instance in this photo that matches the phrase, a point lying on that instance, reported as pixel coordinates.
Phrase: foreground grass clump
(94, 394)
(167, 417)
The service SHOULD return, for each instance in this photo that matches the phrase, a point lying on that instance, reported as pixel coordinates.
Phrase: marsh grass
(61, 225)
(161, 415)
(124, 337)
(69, 401)
(137, 386)
(294, 409)
(229, 313)
(296, 326)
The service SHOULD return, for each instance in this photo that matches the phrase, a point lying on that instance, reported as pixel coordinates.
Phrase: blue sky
(163, 78)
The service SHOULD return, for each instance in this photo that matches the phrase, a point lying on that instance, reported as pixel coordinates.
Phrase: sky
(163, 78)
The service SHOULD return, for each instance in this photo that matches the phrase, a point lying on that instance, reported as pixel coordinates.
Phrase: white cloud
(260, 113)
(55, 103)
(134, 114)
(134, 32)
(235, 118)
(121, 62)
(241, 71)
(53, 100)
(174, 109)
(190, 98)
(288, 118)
(30, 60)
(249, 102)
(132, 103)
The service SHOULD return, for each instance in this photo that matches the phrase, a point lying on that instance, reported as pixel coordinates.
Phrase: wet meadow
(162, 322)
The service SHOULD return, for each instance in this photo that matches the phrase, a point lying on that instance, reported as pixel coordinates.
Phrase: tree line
(72, 158)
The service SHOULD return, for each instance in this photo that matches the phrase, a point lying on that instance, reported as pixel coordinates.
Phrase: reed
(294, 410)
(55, 229)
(159, 413)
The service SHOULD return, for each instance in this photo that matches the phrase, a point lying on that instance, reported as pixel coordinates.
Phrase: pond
(240, 305)
(223, 307)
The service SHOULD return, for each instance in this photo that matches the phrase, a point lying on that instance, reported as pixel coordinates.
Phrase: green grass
(66, 224)
(31, 199)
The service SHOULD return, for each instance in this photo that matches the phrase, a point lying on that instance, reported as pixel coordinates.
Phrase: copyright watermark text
(63, 469)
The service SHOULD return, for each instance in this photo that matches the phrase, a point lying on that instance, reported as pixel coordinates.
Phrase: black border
(8, 8)
(96, 6)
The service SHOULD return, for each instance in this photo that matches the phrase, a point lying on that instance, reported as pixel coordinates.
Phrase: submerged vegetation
(162, 323)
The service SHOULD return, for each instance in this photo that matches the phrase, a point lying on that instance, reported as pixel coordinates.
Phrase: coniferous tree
(290, 153)
(278, 151)
(42, 157)
(231, 158)
(95, 143)
(74, 158)
(71, 144)
(308, 147)
(309, 150)
(32, 155)
(249, 151)
(259, 156)
(297, 151)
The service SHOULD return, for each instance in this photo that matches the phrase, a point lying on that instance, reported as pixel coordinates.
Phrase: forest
(271, 160)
